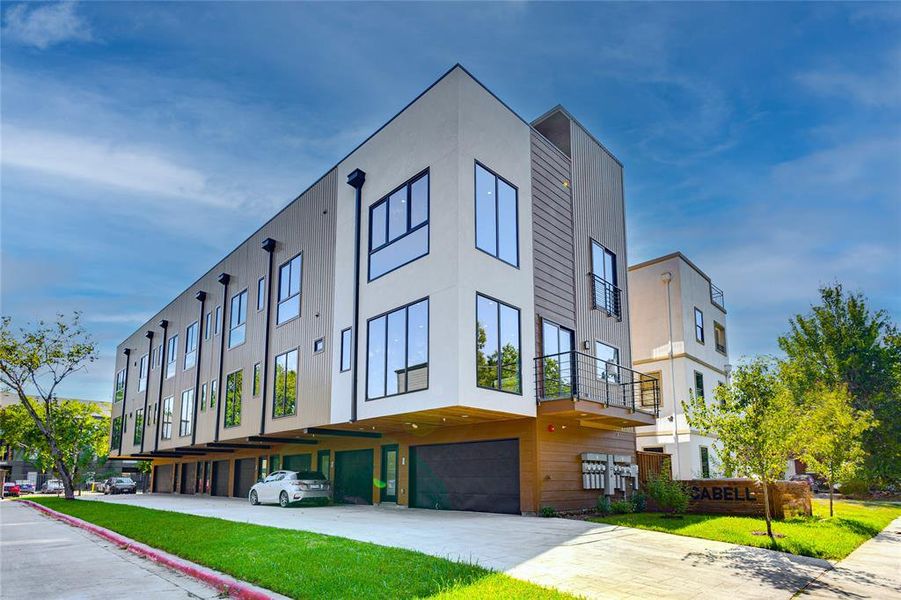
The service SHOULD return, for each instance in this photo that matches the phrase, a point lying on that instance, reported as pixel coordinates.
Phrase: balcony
(599, 393)
(606, 296)
(716, 296)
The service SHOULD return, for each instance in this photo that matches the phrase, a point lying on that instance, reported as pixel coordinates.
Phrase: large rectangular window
(290, 276)
(186, 422)
(237, 321)
(120, 385)
(557, 344)
(699, 325)
(398, 351)
(166, 430)
(233, 388)
(608, 361)
(498, 356)
(284, 400)
(191, 345)
(399, 227)
(497, 220)
(604, 287)
(346, 349)
(171, 356)
(139, 426)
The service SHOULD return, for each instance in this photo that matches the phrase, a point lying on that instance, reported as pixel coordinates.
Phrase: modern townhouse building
(679, 338)
(440, 321)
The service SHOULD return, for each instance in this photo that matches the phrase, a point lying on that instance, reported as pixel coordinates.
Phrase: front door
(388, 484)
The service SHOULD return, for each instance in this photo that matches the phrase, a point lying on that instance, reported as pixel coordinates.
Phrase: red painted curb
(223, 583)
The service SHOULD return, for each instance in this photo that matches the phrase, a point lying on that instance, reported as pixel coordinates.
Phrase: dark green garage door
(353, 477)
(480, 476)
(219, 485)
(296, 462)
(245, 476)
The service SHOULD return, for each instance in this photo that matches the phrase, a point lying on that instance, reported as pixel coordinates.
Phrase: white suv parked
(286, 487)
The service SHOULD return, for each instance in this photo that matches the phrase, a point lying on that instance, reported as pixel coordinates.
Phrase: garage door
(353, 477)
(296, 462)
(245, 476)
(481, 476)
(220, 478)
(188, 478)
(162, 478)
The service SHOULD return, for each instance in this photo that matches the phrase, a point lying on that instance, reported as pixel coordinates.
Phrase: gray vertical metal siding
(599, 214)
(552, 230)
(307, 226)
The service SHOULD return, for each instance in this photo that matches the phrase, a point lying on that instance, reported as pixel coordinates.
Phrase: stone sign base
(744, 497)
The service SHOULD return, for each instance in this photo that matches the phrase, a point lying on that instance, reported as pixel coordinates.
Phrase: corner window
(498, 356)
(186, 422)
(719, 337)
(120, 384)
(142, 374)
(608, 362)
(284, 401)
(346, 349)
(398, 351)
(191, 345)
(139, 426)
(699, 384)
(166, 430)
(290, 275)
(257, 378)
(497, 224)
(699, 325)
(233, 386)
(171, 356)
(261, 293)
(399, 227)
(237, 322)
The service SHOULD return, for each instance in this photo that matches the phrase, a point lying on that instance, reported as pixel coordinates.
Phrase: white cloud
(107, 163)
(45, 25)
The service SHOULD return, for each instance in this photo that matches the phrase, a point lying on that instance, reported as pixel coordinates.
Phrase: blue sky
(141, 142)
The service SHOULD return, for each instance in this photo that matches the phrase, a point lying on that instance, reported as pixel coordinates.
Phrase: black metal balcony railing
(606, 296)
(716, 296)
(584, 377)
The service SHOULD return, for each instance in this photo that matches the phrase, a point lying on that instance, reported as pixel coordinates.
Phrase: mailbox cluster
(608, 472)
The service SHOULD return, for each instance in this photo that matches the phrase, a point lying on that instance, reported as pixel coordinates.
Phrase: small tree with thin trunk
(831, 434)
(33, 363)
(755, 420)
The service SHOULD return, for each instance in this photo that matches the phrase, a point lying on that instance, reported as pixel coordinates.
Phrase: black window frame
(409, 218)
(275, 391)
(217, 326)
(166, 424)
(500, 347)
(191, 352)
(617, 374)
(699, 329)
(171, 356)
(717, 328)
(261, 293)
(299, 294)
(407, 365)
(241, 324)
(207, 325)
(256, 385)
(138, 430)
(475, 208)
(239, 390)
(186, 417)
(346, 349)
(143, 372)
(699, 389)
(704, 452)
(119, 389)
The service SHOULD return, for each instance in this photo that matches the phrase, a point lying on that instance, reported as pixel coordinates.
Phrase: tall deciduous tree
(755, 420)
(830, 434)
(33, 363)
(842, 342)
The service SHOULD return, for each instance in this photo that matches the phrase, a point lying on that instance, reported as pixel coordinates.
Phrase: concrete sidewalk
(43, 558)
(871, 571)
(590, 559)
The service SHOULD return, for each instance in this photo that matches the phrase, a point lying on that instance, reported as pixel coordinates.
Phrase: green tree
(755, 420)
(830, 434)
(33, 363)
(842, 342)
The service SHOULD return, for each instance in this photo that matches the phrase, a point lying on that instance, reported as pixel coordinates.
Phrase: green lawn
(302, 564)
(818, 536)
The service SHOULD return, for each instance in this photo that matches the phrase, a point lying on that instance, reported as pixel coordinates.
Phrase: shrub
(854, 487)
(547, 511)
(639, 501)
(669, 495)
(603, 505)
(621, 507)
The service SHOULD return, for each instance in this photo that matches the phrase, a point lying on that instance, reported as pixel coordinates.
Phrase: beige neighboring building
(675, 306)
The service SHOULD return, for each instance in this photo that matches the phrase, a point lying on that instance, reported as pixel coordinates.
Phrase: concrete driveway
(594, 560)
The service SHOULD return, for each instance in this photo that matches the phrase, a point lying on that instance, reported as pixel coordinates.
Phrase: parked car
(287, 487)
(10, 489)
(120, 485)
(26, 488)
(52, 486)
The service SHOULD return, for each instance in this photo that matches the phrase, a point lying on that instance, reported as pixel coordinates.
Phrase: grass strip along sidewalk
(818, 536)
(301, 564)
